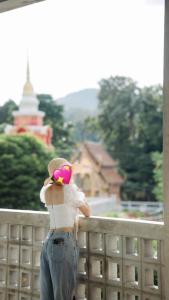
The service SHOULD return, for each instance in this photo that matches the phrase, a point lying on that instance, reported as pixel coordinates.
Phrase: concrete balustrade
(119, 259)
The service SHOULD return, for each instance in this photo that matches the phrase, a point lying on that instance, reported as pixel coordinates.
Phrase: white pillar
(166, 148)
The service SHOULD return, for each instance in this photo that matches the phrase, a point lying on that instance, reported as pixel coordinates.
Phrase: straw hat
(54, 164)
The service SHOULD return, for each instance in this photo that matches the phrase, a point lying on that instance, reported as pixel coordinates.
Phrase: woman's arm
(78, 199)
(85, 209)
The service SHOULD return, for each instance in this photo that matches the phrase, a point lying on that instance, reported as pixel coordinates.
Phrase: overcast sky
(73, 44)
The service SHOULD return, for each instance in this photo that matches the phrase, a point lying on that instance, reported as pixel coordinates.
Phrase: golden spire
(28, 71)
(28, 88)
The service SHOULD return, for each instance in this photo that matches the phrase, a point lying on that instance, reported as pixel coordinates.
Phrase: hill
(80, 104)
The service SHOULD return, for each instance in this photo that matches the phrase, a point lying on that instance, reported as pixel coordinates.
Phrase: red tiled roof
(100, 155)
(111, 176)
(107, 165)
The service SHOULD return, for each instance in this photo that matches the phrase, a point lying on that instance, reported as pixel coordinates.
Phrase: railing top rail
(126, 227)
(7, 212)
(117, 226)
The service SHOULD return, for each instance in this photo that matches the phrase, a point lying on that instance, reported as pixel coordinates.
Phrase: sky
(73, 44)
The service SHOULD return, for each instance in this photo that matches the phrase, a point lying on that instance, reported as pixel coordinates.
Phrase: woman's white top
(64, 215)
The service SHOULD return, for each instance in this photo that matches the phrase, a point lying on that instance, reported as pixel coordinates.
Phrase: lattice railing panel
(20, 247)
(119, 259)
(117, 267)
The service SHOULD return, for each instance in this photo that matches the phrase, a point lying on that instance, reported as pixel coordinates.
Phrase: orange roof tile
(108, 165)
(100, 155)
(111, 176)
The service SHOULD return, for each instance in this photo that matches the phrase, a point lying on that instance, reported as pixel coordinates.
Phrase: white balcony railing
(119, 259)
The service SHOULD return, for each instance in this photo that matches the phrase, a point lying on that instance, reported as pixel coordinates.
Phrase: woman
(60, 251)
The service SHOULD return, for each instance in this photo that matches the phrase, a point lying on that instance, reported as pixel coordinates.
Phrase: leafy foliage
(87, 129)
(158, 176)
(6, 111)
(23, 164)
(62, 131)
(130, 119)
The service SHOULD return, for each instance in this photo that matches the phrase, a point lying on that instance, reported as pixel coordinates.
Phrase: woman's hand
(85, 209)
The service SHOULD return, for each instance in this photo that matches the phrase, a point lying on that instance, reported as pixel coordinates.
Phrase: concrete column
(166, 148)
(166, 116)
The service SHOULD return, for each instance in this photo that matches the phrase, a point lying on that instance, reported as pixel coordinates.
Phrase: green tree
(158, 176)
(62, 131)
(130, 119)
(87, 129)
(150, 118)
(6, 112)
(23, 164)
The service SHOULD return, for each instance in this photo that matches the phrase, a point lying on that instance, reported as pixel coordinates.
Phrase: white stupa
(29, 102)
(28, 118)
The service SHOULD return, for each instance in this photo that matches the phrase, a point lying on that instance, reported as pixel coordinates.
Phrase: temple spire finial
(28, 88)
(28, 71)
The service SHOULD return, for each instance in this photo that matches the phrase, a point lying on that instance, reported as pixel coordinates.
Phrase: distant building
(29, 118)
(95, 171)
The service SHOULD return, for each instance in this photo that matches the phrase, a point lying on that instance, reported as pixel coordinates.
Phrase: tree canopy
(87, 129)
(130, 120)
(62, 130)
(23, 164)
(6, 111)
(158, 175)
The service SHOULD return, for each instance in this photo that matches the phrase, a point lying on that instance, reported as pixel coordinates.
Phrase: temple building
(29, 119)
(95, 171)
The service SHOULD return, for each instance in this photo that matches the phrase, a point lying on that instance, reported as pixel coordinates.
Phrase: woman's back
(62, 203)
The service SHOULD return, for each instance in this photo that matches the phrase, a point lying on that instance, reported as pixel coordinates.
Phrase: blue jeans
(58, 266)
